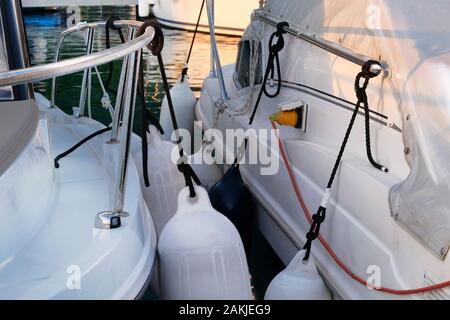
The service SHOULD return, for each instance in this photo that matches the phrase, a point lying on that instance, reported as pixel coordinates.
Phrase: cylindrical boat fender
(299, 281)
(165, 179)
(202, 162)
(184, 104)
(144, 8)
(201, 253)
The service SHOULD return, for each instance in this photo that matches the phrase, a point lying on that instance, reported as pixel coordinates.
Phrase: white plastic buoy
(202, 162)
(201, 255)
(165, 179)
(299, 281)
(184, 101)
(144, 8)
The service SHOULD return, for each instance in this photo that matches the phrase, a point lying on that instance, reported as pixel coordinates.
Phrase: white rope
(255, 35)
(106, 100)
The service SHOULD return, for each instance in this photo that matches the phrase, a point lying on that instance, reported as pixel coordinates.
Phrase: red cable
(330, 250)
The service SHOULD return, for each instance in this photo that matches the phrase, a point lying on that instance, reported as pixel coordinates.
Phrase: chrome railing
(119, 102)
(65, 67)
(125, 101)
(216, 67)
(330, 46)
(86, 85)
(84, 26)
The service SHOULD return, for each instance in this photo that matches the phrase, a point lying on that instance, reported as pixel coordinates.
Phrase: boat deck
(65, 245)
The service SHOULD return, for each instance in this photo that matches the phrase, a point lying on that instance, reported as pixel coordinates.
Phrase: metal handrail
(131, 51)
(86, 89)
(61, 68)
(120, 89)
(327, 45)
(216, 67)
(81, 26)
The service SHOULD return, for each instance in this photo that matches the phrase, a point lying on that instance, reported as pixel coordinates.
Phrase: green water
(43, 29)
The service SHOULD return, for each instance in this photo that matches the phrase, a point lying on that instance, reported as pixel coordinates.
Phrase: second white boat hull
(231, 16)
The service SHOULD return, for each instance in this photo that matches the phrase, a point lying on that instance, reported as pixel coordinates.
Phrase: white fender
(144, 8)
(165, 179)
(184, 104)
(202, 162)
(299, 281)
(201, 253)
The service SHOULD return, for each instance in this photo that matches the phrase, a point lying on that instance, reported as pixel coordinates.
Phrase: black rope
(185, 69)
(111, 26)
(361, 94)
(240, 153)
(147, 118)
(79, 144)
(144, 124)
(362, 99)
(274, 49)
(156, 46)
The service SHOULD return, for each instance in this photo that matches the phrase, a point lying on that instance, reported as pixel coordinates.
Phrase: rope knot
(184, 72)
(110, 23)
(280, 28)
(311, 236)
(279, 45)
(361, 94)
(366, 74)
(317, 218)
(157, 43)
(275, 48)
(183, 158)
(273, 58)
(189, 175)
(368, 69)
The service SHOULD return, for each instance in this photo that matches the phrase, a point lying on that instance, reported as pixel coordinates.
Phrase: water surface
(44, 27)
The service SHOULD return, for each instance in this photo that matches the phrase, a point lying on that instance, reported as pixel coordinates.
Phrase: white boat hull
(231, 16)
(55, 252)
(359, 225)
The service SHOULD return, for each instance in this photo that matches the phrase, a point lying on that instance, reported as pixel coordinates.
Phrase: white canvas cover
(413, 37)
